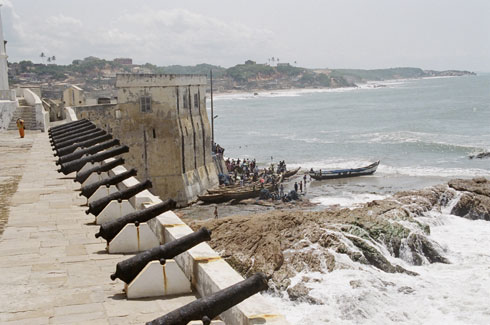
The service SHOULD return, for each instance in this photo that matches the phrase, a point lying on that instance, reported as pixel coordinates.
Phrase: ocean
(422, 131)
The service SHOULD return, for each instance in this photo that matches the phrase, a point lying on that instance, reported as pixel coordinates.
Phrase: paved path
(52, 269)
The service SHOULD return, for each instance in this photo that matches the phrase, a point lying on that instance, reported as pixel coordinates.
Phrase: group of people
(242, 170)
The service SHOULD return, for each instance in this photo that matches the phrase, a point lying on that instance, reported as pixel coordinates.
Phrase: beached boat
(289, 173)
(240, 193)
(341, 173)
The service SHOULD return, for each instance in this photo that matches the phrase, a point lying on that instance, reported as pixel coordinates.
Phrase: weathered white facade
(73, 96)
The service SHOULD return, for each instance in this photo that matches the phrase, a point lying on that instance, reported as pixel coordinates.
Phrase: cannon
(90, 189)
(59, 133)
(82, 177)
(63, 127)
(110, 229)
(68, 150)
(97, 206)
(87, 151)
(209, 307)
(67, 134)
(67, 124)
(128, 269)
(76, 165)
(68, 128)
(79, 138)
(73, 135)
(56, 144)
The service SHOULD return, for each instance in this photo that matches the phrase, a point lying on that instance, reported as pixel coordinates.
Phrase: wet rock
(480, 155)
(282, 243)
(475, 200)
(406, 290)
(421, 247)
(301, 292)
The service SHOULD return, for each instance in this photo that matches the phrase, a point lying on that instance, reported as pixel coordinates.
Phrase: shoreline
(251, 92)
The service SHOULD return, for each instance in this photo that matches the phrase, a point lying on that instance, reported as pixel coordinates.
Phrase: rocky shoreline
(283, 243)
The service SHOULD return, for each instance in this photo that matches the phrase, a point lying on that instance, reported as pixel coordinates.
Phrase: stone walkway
(52, 269)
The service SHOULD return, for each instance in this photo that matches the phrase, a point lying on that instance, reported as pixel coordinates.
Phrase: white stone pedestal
(101, 192)
(158, 280)
(113, 211)
(132, 239)
(94, 177)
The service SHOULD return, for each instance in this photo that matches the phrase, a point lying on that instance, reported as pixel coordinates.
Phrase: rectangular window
(196, 101)
(145, 104)
(185, 101)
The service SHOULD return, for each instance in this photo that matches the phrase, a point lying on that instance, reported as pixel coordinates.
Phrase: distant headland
(98, 75)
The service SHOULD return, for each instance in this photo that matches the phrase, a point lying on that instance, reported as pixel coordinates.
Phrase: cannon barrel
(128, 269)
(91, 129)
(64, 125)
(110, 229)
(87, 151)
(213, 305)
(61, 128)
(87, 135)
(69, 128)
(82, 177)
(96, 207)
(60, 144)
(76, 165)
(66, 135)
(70, 149)
(90, 189)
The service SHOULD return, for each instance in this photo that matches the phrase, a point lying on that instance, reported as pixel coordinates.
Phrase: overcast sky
(431, 34)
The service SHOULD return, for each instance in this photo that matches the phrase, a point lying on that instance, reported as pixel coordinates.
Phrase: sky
(364, 34)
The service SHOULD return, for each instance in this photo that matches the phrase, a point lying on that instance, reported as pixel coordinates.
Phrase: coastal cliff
(285, 243)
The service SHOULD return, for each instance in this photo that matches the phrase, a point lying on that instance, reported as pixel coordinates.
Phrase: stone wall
(163, 119)
(7, 108)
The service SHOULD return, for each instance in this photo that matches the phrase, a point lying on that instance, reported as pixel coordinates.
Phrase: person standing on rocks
(296, 186)
(216, 212)
(301, 186)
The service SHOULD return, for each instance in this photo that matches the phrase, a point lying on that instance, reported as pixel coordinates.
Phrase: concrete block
(158, 280)
(101, 192)
(113, 211)
(132, 239)
(94, 177)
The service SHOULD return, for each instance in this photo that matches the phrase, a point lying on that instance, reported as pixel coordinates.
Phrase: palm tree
(49, 59)
(42, 56)
(53, 58)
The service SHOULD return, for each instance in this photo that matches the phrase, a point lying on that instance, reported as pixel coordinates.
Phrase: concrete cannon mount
(54, 271)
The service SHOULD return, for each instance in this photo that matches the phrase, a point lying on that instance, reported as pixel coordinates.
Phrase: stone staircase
(25, 112)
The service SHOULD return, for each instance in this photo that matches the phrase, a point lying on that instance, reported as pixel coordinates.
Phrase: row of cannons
(113, 197)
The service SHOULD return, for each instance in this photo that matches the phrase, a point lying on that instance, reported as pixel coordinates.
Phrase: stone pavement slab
(52, 268)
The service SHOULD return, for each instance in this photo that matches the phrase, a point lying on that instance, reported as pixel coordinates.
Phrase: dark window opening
(196, 101)
(154, 134)
(185, 102)
(145, 103)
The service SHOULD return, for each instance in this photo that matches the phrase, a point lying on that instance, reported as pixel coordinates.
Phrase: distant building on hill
(250, 62)
(73, 96)
(124, 61)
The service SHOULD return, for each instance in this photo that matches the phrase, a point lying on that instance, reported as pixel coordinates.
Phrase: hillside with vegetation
(98, 75)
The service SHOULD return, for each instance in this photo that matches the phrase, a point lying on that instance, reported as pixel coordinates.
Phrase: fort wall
(163, 119)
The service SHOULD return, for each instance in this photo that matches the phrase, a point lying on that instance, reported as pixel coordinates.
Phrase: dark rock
(480, 155)
(406, 290)
(421, 246)
(472, 206)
